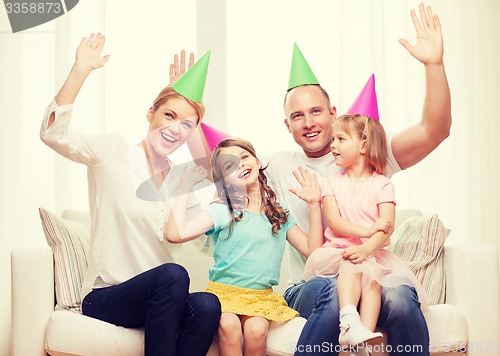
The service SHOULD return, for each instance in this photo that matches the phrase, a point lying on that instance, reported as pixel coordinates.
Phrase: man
(309, 118)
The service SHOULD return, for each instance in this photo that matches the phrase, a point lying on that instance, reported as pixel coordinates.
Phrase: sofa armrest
(472, 284)
(32, 274)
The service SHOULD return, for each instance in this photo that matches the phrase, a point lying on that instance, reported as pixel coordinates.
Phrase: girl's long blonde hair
(236, 202)
(372, 132)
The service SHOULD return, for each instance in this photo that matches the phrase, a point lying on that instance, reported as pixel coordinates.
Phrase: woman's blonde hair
(168, 92)
(237, 202)
(372, 132)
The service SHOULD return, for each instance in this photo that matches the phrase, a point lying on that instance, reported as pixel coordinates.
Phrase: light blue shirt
(251, 256)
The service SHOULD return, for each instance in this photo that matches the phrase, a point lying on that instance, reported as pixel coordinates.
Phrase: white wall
(343, 41)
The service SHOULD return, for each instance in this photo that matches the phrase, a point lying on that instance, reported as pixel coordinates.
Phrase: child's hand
(88, 53)
(355, 254)
(191, 176)
(311, 191)
(382, 224)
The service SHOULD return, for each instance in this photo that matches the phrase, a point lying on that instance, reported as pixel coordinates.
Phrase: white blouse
(128, 211)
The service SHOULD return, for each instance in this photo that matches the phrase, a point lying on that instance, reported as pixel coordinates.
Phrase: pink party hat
(366, 102)
(212, 135)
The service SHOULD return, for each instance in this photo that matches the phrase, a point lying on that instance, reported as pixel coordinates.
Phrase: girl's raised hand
(192, 176)
(88, 53)
(311, 191)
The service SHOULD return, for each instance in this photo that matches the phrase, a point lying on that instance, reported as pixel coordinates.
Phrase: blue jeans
(317, 301)
(175, 321)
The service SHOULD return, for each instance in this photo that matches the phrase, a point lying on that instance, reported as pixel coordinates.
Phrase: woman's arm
(311, 194)
(344, 227)
(55, 131)
(88, 58)
(177, 229)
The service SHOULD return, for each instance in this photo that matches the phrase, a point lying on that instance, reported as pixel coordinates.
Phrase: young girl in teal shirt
(248, 228)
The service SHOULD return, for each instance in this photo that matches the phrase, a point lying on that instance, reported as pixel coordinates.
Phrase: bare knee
(230, 328)
(255, 332)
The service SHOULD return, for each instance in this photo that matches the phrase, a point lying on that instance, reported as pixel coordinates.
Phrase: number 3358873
(33, 8)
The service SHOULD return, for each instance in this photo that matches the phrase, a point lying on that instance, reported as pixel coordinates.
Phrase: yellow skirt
(251, 302)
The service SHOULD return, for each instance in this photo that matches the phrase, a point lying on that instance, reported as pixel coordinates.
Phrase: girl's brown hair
(168, 92)
(237, 202)
(372, 132)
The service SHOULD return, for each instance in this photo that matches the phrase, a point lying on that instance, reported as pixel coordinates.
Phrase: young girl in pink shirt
(359, 207)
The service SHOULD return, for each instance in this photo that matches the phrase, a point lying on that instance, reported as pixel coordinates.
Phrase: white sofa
(468, 324)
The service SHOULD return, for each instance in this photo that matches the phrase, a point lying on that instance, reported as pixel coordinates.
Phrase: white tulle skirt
(382, 266)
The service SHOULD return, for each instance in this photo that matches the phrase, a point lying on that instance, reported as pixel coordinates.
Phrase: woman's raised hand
(88, 58)
(311, 191)
(88, 53)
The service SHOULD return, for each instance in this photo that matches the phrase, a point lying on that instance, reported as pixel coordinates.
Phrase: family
(332, 200)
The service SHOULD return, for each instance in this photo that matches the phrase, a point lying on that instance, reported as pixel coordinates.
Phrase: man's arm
(178, 69)
(413, 144)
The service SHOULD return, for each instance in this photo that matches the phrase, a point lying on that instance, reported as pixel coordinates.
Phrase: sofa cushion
(283, 336)
(73, 334)
(419, 241)
(69, 241)
(404, 214)
(447, 328)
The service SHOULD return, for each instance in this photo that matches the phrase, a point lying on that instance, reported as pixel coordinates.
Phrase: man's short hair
(303, 85)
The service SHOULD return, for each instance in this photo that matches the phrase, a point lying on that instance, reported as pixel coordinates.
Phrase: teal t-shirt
(251, 256)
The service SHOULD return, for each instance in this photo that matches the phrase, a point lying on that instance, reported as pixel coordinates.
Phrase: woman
(132, 280)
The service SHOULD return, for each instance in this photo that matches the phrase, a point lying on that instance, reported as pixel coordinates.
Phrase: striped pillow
(419, 241)
(69, 241)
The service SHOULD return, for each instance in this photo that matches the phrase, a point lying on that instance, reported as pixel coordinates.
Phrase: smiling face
(309, 119)
(171, 124)
(239, 168)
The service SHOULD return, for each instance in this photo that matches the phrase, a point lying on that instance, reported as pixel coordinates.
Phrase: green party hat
(300, 72)
(192, 83)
